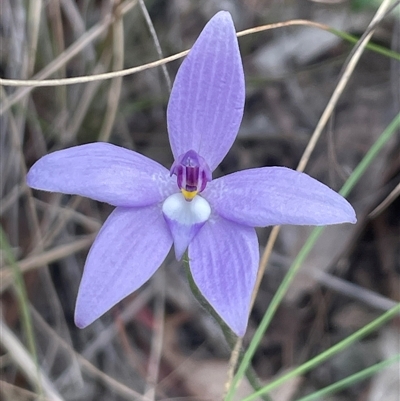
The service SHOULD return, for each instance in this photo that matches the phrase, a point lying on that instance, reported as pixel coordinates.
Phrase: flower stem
(230, 337)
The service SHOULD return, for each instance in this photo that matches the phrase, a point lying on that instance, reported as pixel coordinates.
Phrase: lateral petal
(207, 99)
(129, 248)
(277, 195)
(224, 260)
(103, 172)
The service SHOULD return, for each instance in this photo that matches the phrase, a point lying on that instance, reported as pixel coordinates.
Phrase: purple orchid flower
(213, 219)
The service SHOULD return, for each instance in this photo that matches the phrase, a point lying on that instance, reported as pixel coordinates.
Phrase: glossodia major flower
(213, 219)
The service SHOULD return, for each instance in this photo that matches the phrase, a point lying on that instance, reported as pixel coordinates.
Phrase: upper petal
(129, 248)
(103, 172)
(277, 195)
(224, 260)
(206, 103)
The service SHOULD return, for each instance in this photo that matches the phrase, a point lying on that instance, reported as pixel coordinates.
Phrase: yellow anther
(189, 195)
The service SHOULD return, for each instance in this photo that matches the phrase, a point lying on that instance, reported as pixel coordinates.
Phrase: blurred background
(159, 341)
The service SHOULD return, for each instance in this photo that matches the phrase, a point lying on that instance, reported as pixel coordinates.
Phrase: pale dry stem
(43, 259)
(154, 36)
(158, 335)
(25, 363)
(39, 79)
(89, 36)
(10, 392)
(116, 83)
(86, 99)
(119, 388)
(394, 194)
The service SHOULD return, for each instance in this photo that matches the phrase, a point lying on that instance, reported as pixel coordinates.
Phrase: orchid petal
(207, 100)
(277, 195)
(103, 172)
(185, 219)
(224, 260)
(129, 248)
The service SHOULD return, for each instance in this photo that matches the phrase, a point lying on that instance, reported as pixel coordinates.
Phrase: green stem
(329, 352)
(229, 335)
(22, 299)
(350, 380)
(370, 46)
(370, 156)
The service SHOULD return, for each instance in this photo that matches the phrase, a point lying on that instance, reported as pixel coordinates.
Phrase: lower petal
(224, 259)
(129, 248)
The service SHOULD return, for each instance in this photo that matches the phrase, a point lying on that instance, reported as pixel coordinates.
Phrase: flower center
(192, 174)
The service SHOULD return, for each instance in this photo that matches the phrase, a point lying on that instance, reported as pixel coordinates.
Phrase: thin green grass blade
(350, 380)
(370, 46)
(278, 297)
(305, 367)
(370, 156)
(22, 298)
